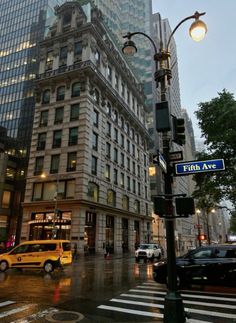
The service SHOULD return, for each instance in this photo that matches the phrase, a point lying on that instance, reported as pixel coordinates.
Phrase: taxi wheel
(48, 267)
(3, 266)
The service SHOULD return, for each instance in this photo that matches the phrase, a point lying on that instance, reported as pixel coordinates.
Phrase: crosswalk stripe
(6, 303)
(129, 311)
(184, 301)
(14, 311)
(187, 295)
(191, 310)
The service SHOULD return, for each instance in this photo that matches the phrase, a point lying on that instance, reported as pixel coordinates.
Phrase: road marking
(129, 311)
(191, 310)
(187, 295)
(6, 303)
(14, 311)
(117, 300)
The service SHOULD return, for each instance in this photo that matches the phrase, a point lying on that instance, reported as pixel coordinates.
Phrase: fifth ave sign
(194, 167)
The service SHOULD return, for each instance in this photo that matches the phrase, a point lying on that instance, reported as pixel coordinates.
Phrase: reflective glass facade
(22, 25)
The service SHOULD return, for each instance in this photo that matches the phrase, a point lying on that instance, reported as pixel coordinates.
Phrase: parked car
(43, 254)
(213, 265)
(148, 251)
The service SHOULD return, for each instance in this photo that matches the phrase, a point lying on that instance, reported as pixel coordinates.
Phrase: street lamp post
(173, 308)
(198, 212)
(55, 214)
(55, 211)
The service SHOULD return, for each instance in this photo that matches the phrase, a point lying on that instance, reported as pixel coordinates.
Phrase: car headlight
(159, 263)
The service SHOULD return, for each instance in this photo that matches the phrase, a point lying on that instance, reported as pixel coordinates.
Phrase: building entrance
(45, 226)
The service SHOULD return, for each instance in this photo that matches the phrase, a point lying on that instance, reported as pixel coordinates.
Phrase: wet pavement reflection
(87, 279)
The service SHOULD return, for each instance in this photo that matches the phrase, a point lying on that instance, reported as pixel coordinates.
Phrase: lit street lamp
(173, 308)
(55, 212)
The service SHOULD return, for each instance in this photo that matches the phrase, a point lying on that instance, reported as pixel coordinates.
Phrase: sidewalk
(128, 255)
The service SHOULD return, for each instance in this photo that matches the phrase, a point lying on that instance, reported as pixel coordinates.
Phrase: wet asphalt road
(89, 282)
(92, 282)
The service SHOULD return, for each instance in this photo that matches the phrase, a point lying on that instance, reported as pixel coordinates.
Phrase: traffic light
(201, 237)
(162, 117)
(179, 130)
(184, 206)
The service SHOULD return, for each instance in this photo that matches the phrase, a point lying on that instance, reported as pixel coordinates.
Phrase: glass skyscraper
(22, 25)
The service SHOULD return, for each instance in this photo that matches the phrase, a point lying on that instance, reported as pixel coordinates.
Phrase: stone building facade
(89, 141)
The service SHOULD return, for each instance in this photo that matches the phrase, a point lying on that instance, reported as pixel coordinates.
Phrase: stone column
(117, 235)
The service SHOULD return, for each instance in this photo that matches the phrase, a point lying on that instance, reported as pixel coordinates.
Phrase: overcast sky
(209, 66)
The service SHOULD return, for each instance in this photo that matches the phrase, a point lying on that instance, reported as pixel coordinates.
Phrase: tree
(233, 222)
(217, 120)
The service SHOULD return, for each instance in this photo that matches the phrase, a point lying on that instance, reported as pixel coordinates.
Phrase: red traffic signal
(201, 237)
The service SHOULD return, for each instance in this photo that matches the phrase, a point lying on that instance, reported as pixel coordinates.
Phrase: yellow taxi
(43, 254)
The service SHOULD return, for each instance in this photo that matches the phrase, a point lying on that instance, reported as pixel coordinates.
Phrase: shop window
(6, 198)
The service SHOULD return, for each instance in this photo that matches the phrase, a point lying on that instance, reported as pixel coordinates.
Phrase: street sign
(162, 163)
(176, 155)
(193, 167)
(155, 159)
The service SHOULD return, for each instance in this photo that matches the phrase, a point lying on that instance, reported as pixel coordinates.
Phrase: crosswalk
(16, 312)
(147, 301)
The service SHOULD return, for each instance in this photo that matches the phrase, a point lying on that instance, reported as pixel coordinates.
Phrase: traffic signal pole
(173, 306)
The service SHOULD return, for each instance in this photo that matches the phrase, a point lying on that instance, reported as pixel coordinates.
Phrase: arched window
(75, 89)
(125, 202)
(111, 197)
(93, 190)
(60, 93)
(46, 96)
(67, 18)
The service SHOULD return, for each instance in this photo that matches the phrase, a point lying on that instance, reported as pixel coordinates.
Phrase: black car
(213, 265)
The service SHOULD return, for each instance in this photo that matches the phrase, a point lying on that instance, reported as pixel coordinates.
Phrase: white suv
(148, 251)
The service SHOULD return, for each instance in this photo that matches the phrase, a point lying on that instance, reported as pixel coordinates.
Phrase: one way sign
(155, 159)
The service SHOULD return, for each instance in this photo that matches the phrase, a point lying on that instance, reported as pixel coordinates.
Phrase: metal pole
(54, 229)
(208, 228)
(199, 230)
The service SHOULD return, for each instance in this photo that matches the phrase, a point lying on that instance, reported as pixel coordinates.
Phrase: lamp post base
(173, 308)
